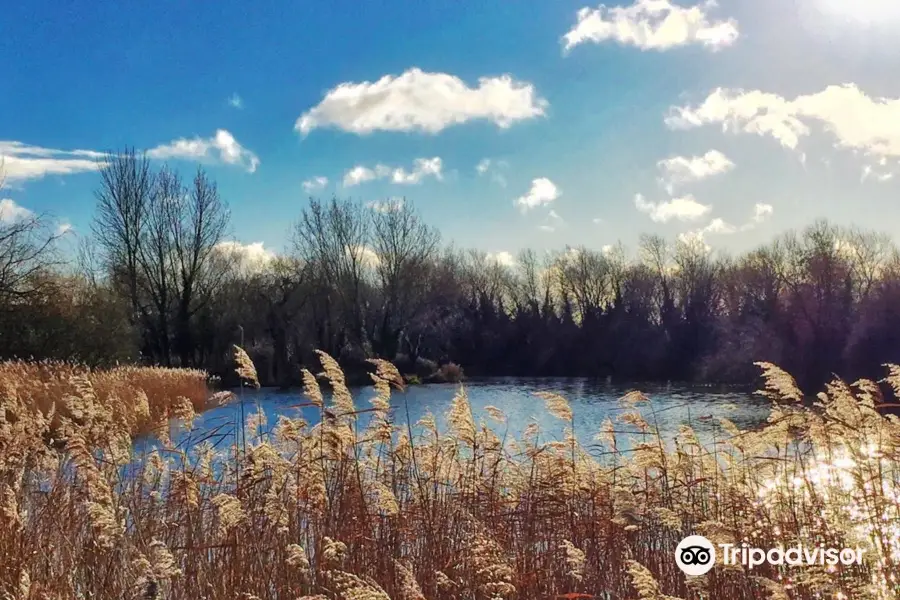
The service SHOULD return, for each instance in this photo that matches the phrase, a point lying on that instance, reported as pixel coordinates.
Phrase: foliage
(69, 319)
(349, 508)
(412, 379)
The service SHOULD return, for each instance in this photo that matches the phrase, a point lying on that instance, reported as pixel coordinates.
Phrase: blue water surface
(591, 401)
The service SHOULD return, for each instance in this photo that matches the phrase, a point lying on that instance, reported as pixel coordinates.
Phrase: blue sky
(731, 122)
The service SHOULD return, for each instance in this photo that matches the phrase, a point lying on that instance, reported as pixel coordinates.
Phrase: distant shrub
(449, 373)
(412, 379)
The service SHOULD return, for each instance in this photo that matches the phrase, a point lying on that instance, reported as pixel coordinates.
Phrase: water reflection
(592, 402)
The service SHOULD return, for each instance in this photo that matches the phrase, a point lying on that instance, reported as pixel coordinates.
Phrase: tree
(405, 249)
(333, 239)
(27, 259)
(126, 187)
(26, 251)
(197, 223)
(158, 239)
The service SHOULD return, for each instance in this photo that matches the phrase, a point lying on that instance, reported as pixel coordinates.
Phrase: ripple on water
(592, 402)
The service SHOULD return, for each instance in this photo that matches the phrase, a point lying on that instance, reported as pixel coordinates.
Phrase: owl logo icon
(695, 555)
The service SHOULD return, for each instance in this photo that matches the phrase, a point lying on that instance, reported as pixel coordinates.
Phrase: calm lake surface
(592, 401)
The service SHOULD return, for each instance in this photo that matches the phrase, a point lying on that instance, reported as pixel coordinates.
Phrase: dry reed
(353, 508)
(138, 399)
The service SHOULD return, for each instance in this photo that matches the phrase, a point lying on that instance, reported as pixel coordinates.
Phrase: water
(591, 402)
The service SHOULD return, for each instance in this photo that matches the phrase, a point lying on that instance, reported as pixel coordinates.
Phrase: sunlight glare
(872, 12)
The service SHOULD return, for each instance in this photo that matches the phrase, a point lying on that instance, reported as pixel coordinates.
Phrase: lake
(592, 402)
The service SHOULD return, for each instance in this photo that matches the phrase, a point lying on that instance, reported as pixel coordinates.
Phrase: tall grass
(354, 511)
(137, 399)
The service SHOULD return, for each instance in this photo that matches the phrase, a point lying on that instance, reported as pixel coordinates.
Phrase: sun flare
(860, 11)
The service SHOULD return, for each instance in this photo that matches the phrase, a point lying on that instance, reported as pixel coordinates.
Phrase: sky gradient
(508, 125)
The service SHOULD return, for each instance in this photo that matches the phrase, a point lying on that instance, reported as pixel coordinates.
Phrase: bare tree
(126, 186)
(155, 255)
(334, 238)
(26, 251)
(158, 237)
(88, 262)
(405, 248)
(695, 279)
(525, 292)
(198, 220)
(585, 276)
(868, 254)
(656, 256)
(284, 292)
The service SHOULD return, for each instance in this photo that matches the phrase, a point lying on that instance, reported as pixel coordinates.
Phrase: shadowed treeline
(157, 281)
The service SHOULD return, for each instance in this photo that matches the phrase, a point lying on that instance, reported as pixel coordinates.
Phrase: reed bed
(364, 508)
(138, 399)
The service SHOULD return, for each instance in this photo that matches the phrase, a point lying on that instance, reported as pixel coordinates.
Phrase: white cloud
(422, 167)
(680, 170)
(421, 101)
(501, 258)
(543, 191)
(19, 162)
(64, 228)
(10, 212)
(652, 25)
(553, 221)
(18, 148)
(856, 121)
(385, 206)
(684, 208)
(252, 257)
(493, 167)
(235, 101)
(597, 221)
(719, 226)
(761, 213)
(360, 174)
(392, 204)
(314, 184)
(221, 147)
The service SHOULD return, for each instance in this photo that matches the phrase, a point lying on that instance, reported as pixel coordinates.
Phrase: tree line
(157, 281)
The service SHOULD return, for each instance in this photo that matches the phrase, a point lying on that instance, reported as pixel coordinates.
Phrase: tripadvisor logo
(696, 555)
